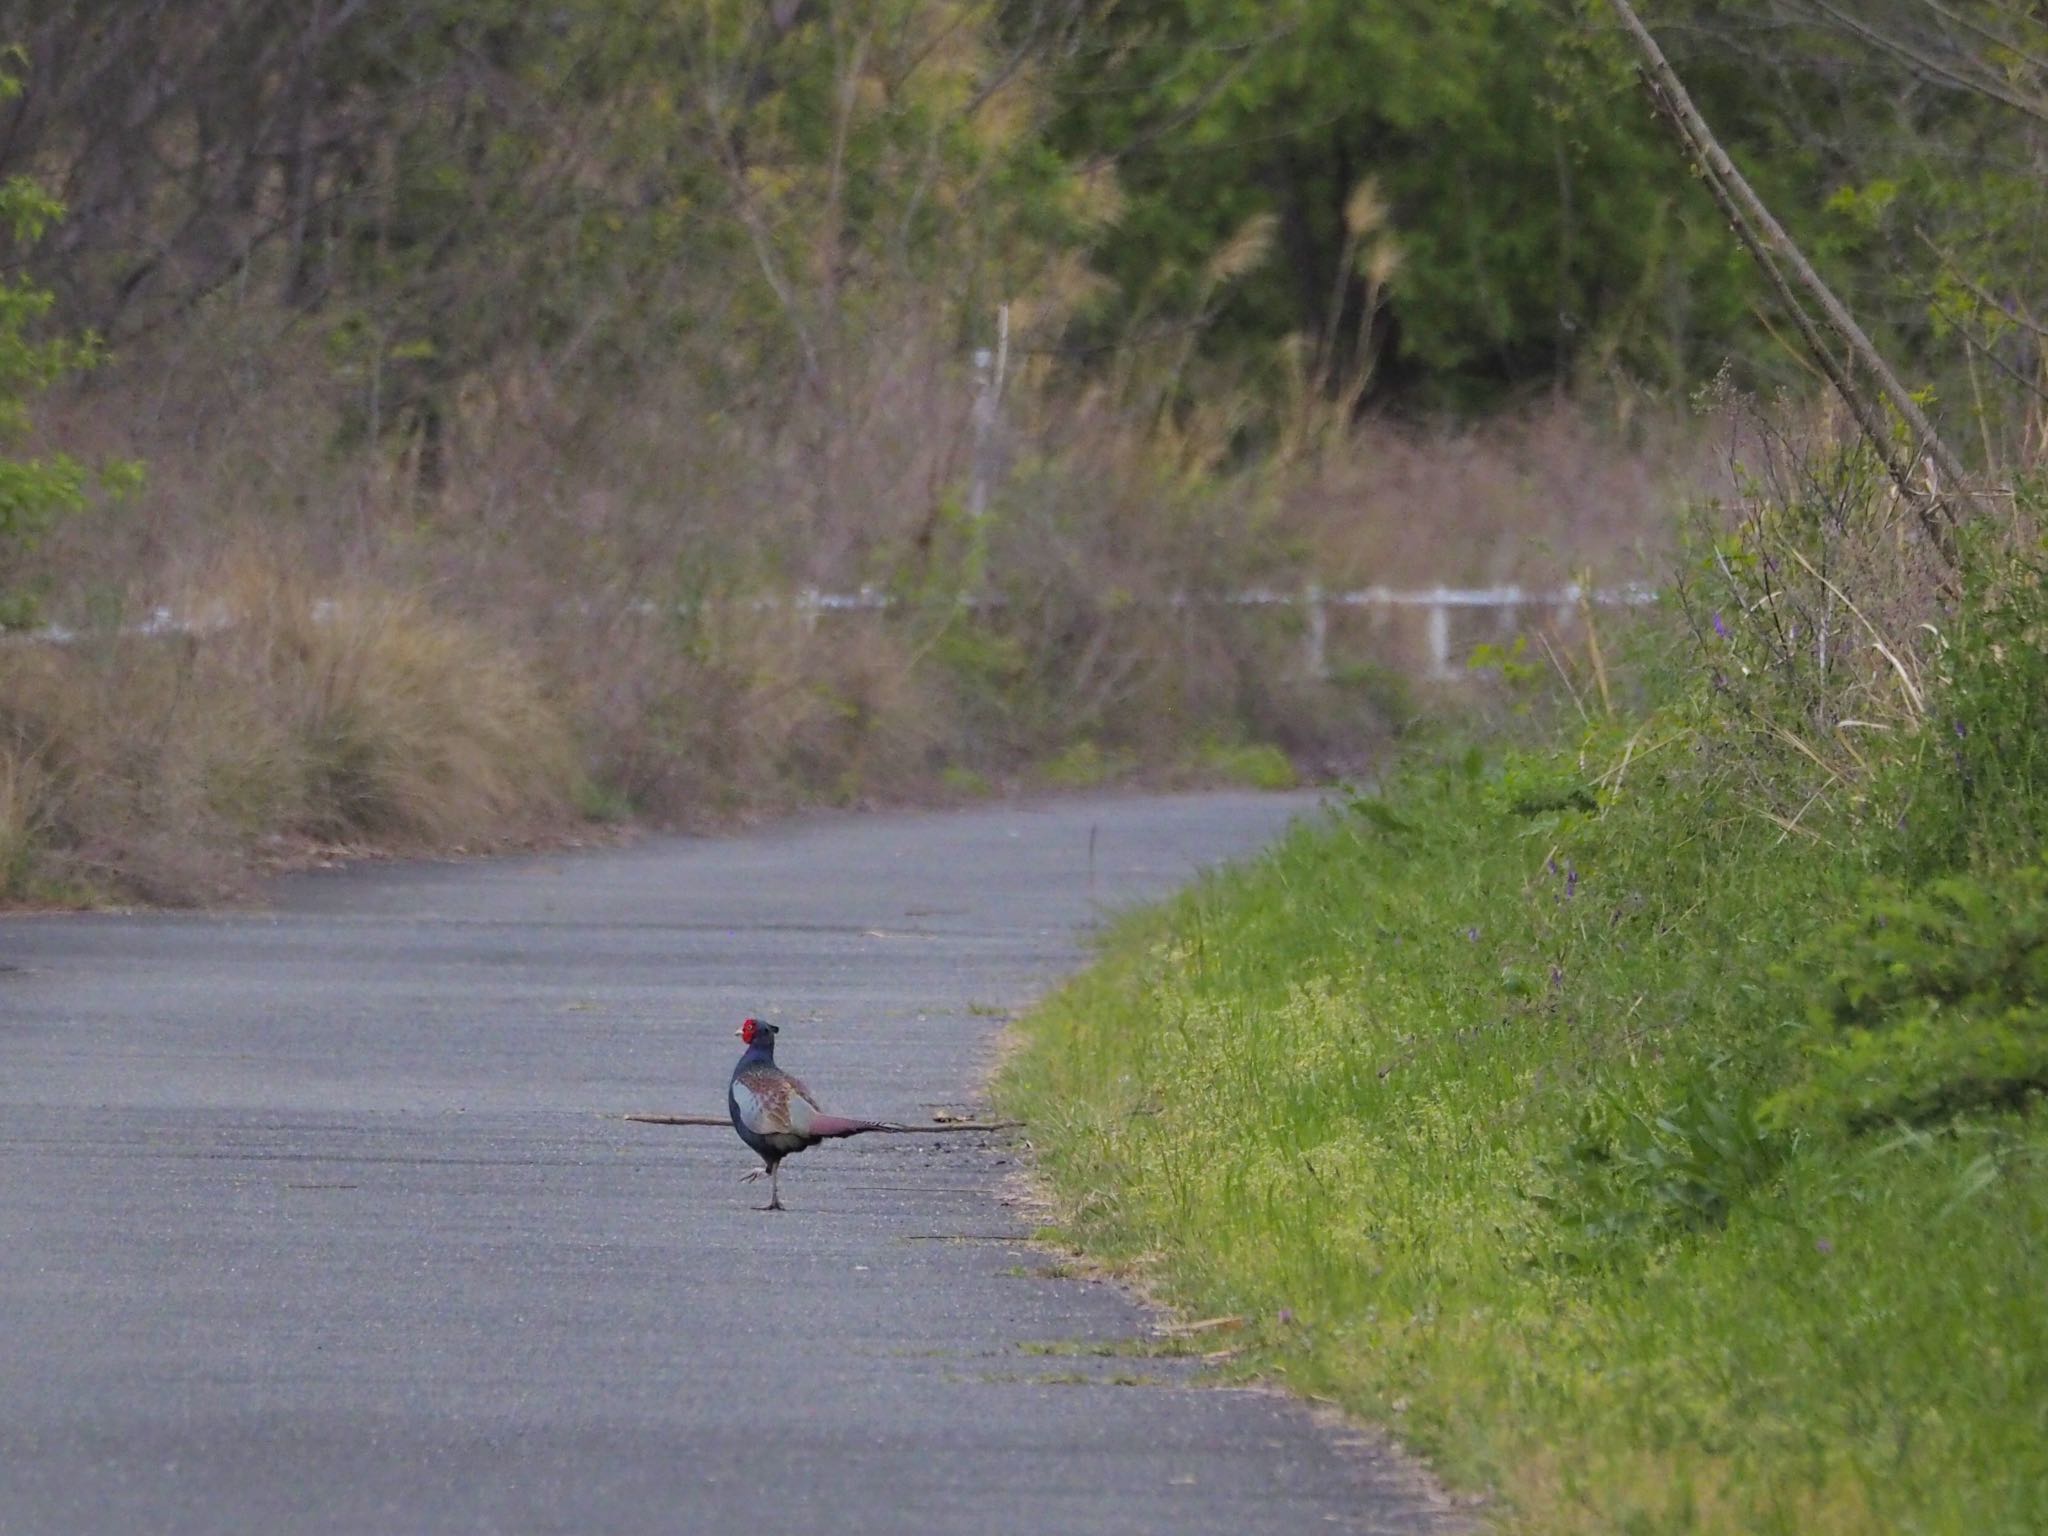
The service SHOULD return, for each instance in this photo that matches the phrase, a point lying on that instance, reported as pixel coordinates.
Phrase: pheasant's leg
(758, 1173)
(774, 1189)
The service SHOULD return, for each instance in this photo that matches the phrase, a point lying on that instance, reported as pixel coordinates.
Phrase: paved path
(316, 1220)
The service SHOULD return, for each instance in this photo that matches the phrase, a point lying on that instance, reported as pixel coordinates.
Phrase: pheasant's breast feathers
(772, 1103)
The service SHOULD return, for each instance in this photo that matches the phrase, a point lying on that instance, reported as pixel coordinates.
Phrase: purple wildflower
(1720, 628)
(1571, 881)
(1472, 934)
(1961, 733)
(1822, 1246)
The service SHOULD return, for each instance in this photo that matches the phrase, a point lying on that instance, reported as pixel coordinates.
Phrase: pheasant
(775, 1113)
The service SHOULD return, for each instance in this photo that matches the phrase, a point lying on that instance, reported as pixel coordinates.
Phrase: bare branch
(1977, 289)
(1771, 245)
(1977, 29)
(1927, 63)
(758, 234)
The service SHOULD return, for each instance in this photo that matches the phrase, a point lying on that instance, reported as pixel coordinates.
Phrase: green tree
(1532, 208)
(441, 185)
(1941, 189)
(34, 491)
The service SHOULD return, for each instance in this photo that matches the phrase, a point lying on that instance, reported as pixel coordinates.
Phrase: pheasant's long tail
(825, 1126)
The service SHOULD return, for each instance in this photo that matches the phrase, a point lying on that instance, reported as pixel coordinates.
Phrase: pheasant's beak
(741, 1032)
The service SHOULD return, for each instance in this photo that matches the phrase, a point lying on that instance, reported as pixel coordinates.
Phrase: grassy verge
(1648, 1129)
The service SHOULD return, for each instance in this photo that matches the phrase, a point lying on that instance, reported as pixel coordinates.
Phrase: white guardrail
(1436, 603)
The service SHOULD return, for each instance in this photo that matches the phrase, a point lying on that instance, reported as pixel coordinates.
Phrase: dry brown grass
(736, 710)
(554, 600)
(163, 767)
(1538, 496)
(1823, 606)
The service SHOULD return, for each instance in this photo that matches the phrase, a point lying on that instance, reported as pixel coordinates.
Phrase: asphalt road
(320, 1219)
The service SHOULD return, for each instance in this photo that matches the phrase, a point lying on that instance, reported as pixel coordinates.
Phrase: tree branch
(1977, 289)
(1938, 69)
(1977, 28)
(1771, 245)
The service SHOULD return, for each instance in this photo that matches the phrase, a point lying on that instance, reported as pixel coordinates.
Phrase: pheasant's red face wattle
(746, 1030)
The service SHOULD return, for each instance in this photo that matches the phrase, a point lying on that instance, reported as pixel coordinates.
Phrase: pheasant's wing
(772, 1103)
(811, 1121)
(805, 1118)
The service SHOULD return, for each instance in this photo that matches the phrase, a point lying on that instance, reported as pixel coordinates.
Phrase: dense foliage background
(1471, 195)
(590, 329)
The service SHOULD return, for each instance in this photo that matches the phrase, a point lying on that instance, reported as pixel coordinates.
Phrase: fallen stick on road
(899, 1130)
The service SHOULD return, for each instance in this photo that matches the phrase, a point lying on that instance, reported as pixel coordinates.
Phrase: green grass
(1465, 1099)
(1254, 765)
(1085, 765)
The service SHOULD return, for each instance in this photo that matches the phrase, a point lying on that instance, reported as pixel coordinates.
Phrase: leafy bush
(1635, 1174)
(1932, 1002)
(35, 492)
(1085, 765)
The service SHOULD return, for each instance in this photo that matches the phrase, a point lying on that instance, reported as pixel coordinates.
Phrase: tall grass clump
(165, 765)
(1648, 1126)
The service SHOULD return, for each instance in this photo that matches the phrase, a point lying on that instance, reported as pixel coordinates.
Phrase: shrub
(1931, 1002)
(1637, 1174)
(35, 492)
